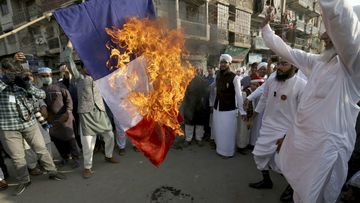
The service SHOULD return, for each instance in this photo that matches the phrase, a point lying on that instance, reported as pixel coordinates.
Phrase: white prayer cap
(262, 64)
(226, 57)
(44, 70)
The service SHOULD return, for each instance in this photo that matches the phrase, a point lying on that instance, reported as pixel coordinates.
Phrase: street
(194, 174)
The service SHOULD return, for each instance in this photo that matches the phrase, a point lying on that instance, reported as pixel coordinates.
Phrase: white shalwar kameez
(281, 101)
(224, 124)
(315, 152)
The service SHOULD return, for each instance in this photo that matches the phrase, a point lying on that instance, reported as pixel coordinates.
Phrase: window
(4, 7)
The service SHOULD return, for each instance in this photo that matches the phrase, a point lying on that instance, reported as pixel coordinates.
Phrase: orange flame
(168, 74)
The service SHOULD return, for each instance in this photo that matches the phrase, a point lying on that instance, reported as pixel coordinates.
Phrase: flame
(168, 74)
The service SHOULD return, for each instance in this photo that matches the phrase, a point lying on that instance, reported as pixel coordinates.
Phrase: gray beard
(327, 55)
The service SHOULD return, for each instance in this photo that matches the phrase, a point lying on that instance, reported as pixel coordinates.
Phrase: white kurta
(315, 152)
(281, 102)
(224, 124)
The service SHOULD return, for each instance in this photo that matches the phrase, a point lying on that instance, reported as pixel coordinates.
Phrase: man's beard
(284, 75)
(327, 55)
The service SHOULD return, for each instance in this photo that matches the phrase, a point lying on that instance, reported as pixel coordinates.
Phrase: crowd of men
(296, 112)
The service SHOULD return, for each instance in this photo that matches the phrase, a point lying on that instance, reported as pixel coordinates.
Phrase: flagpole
(46, 15)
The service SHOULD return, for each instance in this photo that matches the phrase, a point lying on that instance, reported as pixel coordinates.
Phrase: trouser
(31, 157)
(13, 145)
(189, 132)
(120, 137)
(88, 143)
(3, 167)
(1, 175)
(67, 147)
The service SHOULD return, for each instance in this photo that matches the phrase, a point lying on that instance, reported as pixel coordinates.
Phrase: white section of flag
(116, 96)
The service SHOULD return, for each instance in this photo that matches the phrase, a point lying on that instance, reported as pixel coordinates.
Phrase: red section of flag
(152, 139)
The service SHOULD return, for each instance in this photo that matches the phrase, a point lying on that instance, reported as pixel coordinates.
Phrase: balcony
(195, 30)
(306, 7)
(259, 44)
(219, 35)
(240, 40)
(24, 15)
(308, 29)
(300, 26)
(300, 42)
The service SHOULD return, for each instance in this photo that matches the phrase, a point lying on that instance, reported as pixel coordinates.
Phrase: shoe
(21, 188)
(135, 149)
(35, 171)
(262, 185)
(199, 143)
(3, 185)
(186, 143)
(121, 152)
(212, 144)
(76, 163)
(87, 173)
(242, 151)
(287, 195)
(57, 176)
(111, 160)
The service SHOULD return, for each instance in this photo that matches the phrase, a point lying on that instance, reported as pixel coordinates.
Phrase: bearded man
(281, 97)
(314, 154)
(228, 103)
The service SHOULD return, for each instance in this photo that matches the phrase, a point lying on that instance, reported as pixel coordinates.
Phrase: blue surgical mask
(46, 80)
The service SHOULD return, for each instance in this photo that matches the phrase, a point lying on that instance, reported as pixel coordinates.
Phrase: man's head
(210, 70)
(225, 61)
(262, 69)
(284, 71)
(253, 68)
(256, 82)
(64, 72)
(45, 76)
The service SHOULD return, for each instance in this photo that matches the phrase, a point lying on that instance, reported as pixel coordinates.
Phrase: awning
(238, 53)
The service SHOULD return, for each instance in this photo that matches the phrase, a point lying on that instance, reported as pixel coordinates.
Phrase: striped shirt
(17, 106)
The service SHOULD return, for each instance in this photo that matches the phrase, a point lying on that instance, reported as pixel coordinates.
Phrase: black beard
(285, 75)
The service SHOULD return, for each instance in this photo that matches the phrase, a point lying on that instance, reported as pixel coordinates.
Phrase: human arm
(260, 107)
(70, 61)
(343, 27)
(299, 58)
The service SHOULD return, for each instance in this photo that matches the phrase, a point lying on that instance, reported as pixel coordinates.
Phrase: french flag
(85, 25)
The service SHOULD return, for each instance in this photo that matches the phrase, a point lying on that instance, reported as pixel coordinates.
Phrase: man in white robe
(281, 97)
(317, 147)
(227, 105)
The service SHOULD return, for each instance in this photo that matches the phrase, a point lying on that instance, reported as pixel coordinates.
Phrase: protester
(314, 154)
(92, 116)
(281, 96)
(17, 122)
(60, 106)
(228, 104)
(195, 109)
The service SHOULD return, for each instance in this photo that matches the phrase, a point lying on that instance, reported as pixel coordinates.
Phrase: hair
(7, 64)
(254, 65)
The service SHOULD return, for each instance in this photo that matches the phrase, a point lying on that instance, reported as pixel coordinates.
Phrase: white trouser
(1, 175)
(120, 137)
(88, 143)
(189, 131)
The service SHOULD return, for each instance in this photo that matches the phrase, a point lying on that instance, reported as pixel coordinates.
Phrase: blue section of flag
(85, 25)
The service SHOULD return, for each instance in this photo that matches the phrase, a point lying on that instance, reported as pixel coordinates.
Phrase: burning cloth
(137, 66)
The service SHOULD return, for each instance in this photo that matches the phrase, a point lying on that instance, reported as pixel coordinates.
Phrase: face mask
(46, 81)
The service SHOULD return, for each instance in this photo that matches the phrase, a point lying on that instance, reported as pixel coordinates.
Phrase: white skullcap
(226, 57)
(262, 64)
(44, 70)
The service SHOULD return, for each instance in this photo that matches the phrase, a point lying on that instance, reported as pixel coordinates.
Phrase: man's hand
(20, 57)
(69, 45)
(269, 16)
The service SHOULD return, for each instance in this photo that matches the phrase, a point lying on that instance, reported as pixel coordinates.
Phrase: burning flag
(136, 66)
